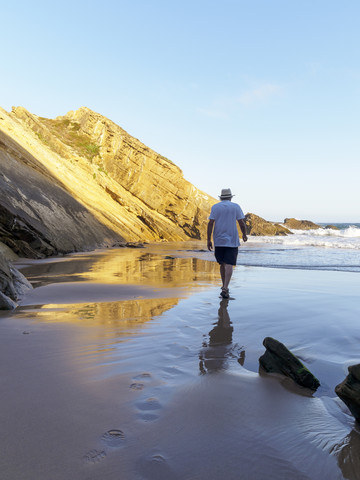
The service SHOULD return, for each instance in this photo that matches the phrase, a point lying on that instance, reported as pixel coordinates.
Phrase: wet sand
(126, 364)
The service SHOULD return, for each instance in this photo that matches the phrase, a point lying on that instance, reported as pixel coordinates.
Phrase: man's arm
(242, 226)
(209, 232)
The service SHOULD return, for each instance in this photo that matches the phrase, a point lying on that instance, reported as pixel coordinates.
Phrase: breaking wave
(345, 238)
(320, 249)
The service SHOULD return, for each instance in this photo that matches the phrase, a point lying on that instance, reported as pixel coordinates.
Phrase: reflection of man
(216, 353)
(224, 215)
(221, 334)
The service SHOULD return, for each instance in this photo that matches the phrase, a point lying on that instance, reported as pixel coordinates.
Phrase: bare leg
(222, 273)
(228, 273)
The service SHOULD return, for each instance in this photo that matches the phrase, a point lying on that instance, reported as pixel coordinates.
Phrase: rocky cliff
(79, 182)
(116, 181)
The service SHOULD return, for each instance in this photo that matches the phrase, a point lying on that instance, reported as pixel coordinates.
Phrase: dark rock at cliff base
(6, 285)
(349, 390)
(257, 226)
(22, 239)
(6, 303)
(134, 245)
(300, 224)
(278, 359)
(128, 245)
(332, 227)
(13, 285)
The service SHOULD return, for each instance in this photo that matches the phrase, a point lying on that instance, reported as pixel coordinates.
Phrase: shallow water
(298, 256)
(192, 401)
(319, 249)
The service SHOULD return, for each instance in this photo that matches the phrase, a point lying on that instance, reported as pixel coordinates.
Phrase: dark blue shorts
(226, 255)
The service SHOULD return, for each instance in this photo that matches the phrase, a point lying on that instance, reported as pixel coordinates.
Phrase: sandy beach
(126, 364)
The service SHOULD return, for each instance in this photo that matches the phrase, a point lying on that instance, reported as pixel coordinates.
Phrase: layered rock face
(80, 182)
(128, 188)
(38, 217)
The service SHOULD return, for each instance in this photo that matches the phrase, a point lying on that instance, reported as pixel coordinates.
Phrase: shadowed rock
(6, 303)
(13, 285)
(38, 216)
(278, 359)
(349, 390)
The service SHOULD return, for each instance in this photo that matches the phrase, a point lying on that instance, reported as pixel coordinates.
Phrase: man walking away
(224, 215)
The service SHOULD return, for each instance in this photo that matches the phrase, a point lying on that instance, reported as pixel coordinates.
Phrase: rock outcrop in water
(257, 226)
(278, 359)
(300, 224)
(349, 390)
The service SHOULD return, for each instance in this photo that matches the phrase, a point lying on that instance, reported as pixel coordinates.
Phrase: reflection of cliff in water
(153, 266)
(124, 266)
(122, 316)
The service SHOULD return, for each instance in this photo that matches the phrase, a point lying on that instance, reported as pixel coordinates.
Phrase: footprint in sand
(137, 386)
(143, 376)
(113, 438)
(147, 409)
(156, 466)
(94, 456)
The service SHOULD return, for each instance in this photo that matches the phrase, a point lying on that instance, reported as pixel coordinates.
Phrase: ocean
(320, 249)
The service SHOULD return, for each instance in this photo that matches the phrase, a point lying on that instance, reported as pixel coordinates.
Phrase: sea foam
(346, 238)
(351, 231)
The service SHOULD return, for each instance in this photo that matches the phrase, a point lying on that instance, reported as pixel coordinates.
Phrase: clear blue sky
(262, 96)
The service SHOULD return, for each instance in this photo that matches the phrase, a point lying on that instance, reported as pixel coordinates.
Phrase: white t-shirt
(226, 214)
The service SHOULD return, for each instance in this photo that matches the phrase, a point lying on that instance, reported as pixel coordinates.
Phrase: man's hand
(242, 226)
(209, 232)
